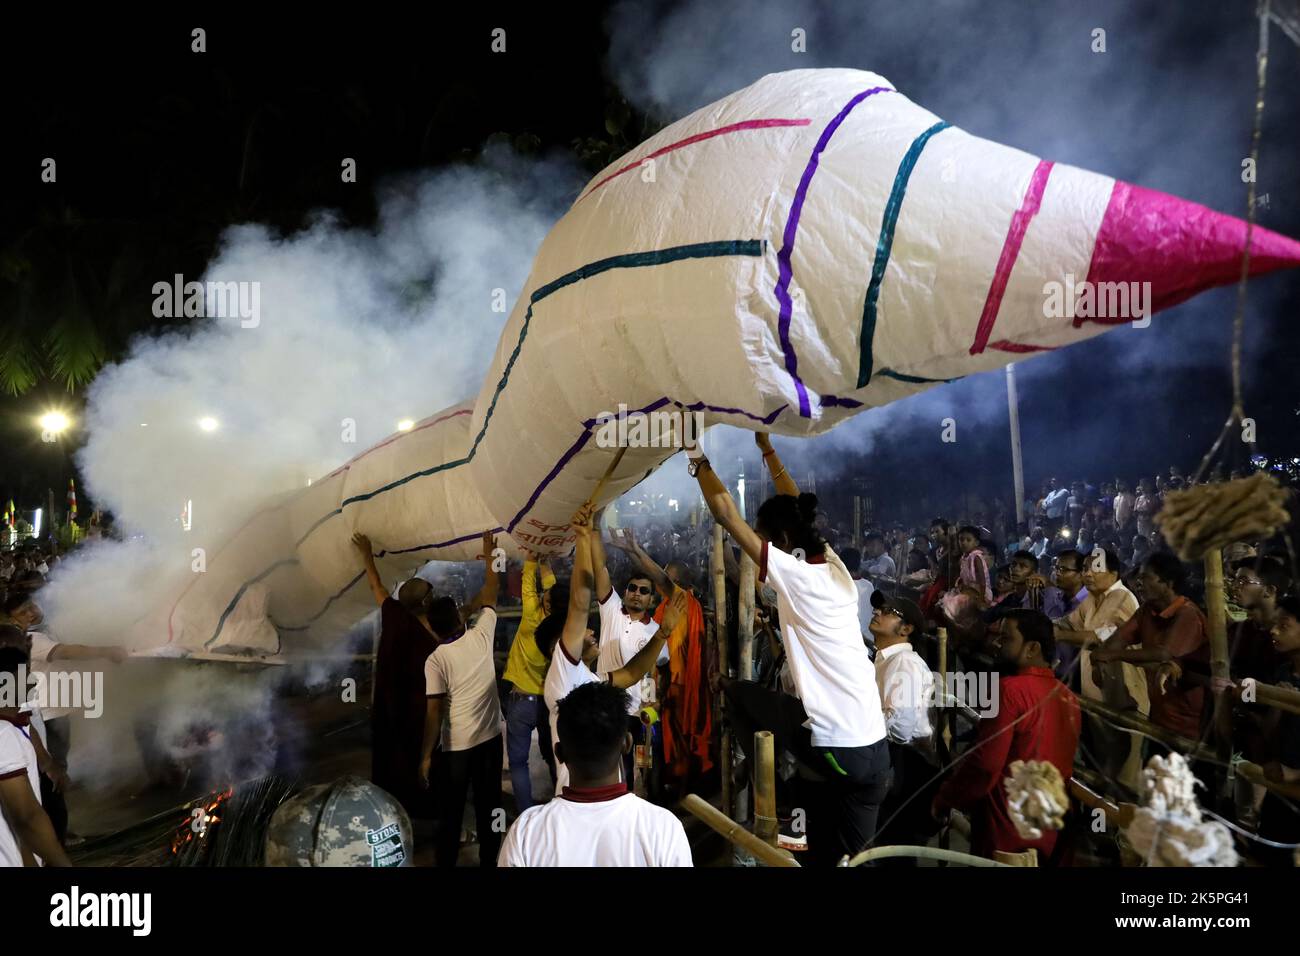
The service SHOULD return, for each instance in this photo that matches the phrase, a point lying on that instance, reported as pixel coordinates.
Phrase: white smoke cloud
(371, 325)
(368, 326)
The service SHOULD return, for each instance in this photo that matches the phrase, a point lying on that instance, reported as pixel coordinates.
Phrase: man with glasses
(1256, 586)
(1107, 606)
(906, 686)
(626, 626)
(1067, 575)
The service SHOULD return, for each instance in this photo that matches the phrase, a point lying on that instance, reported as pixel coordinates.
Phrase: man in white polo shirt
(571, 647)
(595, 821)
(26, 834)
(626, 626)
(460, 681)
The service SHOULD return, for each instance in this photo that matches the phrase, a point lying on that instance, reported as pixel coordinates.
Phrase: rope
(1239, 312)
(1208, 517)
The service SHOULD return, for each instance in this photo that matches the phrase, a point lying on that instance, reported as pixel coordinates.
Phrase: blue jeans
(524, 714)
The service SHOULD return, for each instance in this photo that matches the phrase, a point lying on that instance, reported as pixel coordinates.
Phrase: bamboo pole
(945, 715)
(736, 834)
(944, 737)
(719, 569)
(765, 823)
(1017, 467)
(921, 853)
(609, 471)
(745, 616)
(1257, 692)
(1118, 814)
(1280, 697)
(1190, 749)
(1217, 615)
(1131, 720)
(745, 635)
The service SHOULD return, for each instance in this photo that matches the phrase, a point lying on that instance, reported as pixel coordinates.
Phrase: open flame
(201, 820)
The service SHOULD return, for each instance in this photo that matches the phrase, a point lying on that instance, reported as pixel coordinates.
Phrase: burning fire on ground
(201, 819)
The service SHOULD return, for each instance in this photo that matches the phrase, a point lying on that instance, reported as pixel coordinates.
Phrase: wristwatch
(694, 465)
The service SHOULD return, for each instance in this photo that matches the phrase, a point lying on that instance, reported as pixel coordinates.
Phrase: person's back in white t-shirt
(600, 827)
(818, 606)
(463, 669)
(563, 675)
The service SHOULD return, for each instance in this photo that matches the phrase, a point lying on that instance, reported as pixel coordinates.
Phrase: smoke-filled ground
(247, 740)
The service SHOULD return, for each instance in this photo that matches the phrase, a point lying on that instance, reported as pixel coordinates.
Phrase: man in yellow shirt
(525, 671)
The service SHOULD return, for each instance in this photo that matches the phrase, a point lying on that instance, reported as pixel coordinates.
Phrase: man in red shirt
(1037, 719)
(1168, 637)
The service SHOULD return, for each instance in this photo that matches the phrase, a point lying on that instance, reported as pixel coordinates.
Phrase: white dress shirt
(906, 692)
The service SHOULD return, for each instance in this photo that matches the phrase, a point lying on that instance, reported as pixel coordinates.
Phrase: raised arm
(722, 507)
(548, 576)
(644, 661)
(625, 541)
(487, 595)
(781, 480)
(89, 652)
(377, 588)
(531, 596)
(598, 567)
(575, 620)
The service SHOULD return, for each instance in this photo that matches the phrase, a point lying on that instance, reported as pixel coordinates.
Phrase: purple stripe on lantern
(785, 272)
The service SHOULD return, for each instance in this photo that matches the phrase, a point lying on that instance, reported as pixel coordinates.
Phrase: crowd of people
(844, 677)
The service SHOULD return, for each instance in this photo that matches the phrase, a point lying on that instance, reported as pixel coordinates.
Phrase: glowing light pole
(1017, 467)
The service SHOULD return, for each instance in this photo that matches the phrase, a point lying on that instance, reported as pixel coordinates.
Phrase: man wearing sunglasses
(626, 626)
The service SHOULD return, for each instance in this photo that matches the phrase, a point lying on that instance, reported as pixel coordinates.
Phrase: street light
(405, 425)
(54, 422)
(208, 423)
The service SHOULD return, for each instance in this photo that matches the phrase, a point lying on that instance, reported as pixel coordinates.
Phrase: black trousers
(905, 815)
(58, 742)
(842, 808)
(478, 767)
(637, 730)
